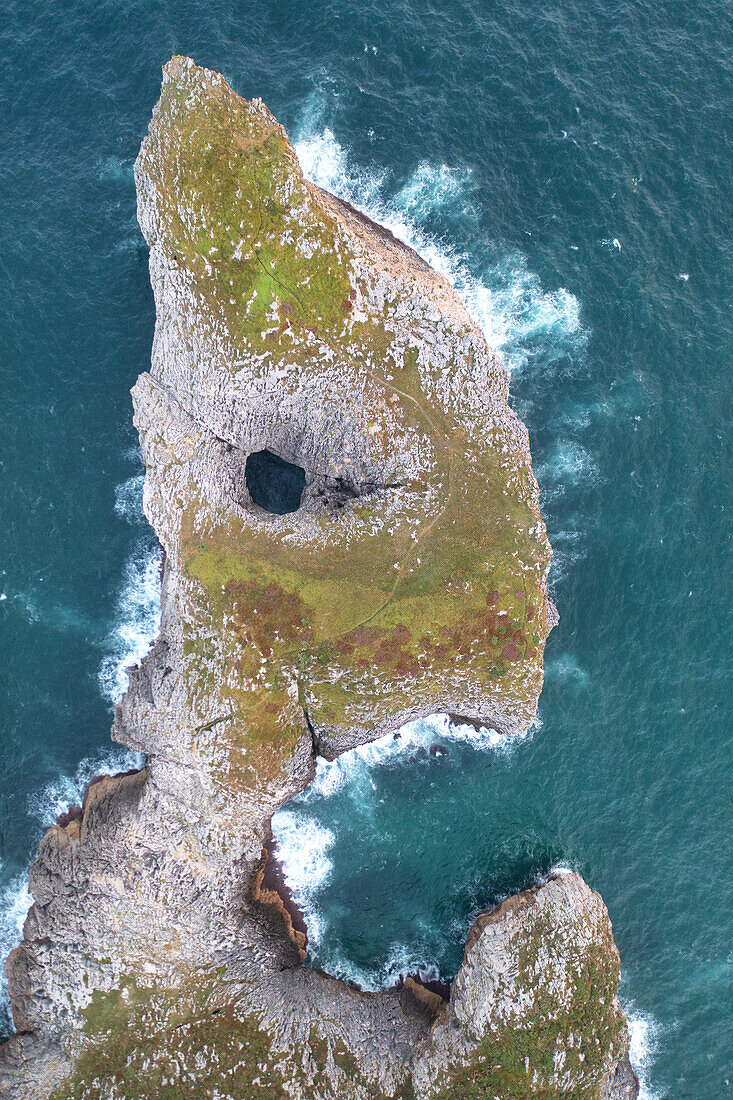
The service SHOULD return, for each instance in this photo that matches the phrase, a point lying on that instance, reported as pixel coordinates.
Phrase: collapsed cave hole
(273, 483)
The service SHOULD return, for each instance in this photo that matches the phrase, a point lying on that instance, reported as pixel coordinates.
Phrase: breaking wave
(645, 1034)
(15, 901)
(302, 848)
(416, 738)
(401, 961)
(529, 325)
(129, 499)
(304, 844)
(56, 796)
(137, 619)
(506, 299)
(137, 623)
(45, 805)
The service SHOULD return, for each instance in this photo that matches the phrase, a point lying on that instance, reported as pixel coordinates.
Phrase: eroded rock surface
(533, 1010)
(410, 578)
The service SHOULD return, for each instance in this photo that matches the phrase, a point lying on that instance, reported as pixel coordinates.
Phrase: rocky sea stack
(352, 539)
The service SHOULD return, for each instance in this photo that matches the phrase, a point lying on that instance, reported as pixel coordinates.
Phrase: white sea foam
(507, 300)
(565, 667)
(129, 499)
(401, 960)
(45, 805)
(303, 844)
(568, 548)
(352, 767)
(302, 848)
(58, 795)
(137, 620)
(115, 170)
(568, 465)
(513, 310)
(645, 1034)
(15, 901)
(561, 869)
(137, 615)
(434, 187)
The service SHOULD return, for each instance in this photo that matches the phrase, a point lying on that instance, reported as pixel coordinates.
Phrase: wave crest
(505, 299)
(645, 1034)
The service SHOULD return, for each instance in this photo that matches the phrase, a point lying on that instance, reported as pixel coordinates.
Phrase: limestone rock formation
(351, 539)
(533, 1010)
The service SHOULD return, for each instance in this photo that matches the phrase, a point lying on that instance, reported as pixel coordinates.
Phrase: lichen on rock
(407, 576)
(534, 1008)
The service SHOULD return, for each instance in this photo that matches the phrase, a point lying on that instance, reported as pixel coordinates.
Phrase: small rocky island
(352, 539)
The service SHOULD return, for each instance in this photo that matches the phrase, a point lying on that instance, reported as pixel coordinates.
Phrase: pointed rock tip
(181, 70)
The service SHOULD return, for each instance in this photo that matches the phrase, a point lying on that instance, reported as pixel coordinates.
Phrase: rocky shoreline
(162, 950)
(270, 888)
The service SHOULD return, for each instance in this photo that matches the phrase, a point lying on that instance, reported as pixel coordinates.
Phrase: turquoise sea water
(568, 166)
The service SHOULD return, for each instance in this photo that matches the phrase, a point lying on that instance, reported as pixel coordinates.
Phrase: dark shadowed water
(568, 166)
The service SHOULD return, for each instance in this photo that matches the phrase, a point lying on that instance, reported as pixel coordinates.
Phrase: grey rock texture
(412, 579)
(533, 1009)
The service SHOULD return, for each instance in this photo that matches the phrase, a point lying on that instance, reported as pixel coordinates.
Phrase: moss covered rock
(412, 577)
(534, 1010)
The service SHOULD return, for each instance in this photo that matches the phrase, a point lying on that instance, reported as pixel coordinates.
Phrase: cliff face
(408, 578)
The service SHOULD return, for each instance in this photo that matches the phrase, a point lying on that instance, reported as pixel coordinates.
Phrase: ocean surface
(568, 166)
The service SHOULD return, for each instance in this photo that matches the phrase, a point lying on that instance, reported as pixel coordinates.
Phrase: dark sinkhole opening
(274, 484)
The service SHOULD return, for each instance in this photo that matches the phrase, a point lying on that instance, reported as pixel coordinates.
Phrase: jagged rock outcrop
(410, 578)
(533, 1010)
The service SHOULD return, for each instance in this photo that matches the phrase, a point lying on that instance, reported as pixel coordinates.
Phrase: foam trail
(644, 1032)
(302, 848)
(352, 767)
(507, 302)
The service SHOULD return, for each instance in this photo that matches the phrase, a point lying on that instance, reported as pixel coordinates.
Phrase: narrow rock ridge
(410, 580)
